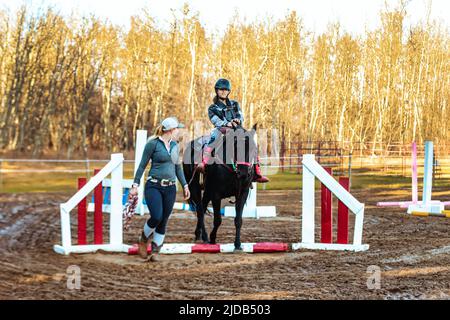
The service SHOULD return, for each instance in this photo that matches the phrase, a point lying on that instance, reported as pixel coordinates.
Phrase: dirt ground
(412, 253)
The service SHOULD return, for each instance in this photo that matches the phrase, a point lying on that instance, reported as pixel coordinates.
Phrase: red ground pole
(135, 249)
(206, 248)
(342, 220)
(98, 212)
(82, 210)
(269, 247)
(326, 213)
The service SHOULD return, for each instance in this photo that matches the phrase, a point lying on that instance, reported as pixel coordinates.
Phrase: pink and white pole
(405, 204)
(414, 173)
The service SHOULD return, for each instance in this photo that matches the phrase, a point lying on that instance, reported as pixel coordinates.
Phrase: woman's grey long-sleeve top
(165, 163)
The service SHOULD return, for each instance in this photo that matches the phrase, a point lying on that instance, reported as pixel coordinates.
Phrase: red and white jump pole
(98, 213)
(327, 214)
(180, 248)
(342, 221)
(82, 215)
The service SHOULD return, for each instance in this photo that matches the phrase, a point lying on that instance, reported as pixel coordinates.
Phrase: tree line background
(69, 85)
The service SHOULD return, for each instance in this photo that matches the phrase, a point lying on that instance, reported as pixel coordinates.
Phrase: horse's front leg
(239, 207)
(217, 221)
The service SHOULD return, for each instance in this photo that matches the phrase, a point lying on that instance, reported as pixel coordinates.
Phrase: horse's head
(241, 150)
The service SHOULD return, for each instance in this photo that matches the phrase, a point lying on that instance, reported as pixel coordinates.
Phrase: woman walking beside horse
(160, 189)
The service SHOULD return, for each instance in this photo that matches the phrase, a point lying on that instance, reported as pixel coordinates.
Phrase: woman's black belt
(162, 182)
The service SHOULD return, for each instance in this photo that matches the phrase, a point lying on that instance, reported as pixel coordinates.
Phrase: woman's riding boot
(155, 252)
(143, 245)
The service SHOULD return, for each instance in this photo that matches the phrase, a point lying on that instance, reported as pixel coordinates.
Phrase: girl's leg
(208, 150)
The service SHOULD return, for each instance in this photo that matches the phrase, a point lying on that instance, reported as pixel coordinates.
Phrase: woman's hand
(134, 191)
(187, 193)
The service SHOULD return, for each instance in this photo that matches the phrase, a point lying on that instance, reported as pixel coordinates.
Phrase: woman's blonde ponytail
(157, 133)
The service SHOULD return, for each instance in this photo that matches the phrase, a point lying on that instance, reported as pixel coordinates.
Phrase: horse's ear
(255, 126)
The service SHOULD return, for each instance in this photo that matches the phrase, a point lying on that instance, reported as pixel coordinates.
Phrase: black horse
(230, 175)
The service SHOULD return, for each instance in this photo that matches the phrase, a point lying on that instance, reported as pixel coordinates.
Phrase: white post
(359, 223)
(308, 202)
(428, 173)
(251, 200)
(141, 140)
(115, 226)
(66, 236)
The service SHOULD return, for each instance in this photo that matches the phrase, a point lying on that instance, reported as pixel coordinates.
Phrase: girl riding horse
(225, 113)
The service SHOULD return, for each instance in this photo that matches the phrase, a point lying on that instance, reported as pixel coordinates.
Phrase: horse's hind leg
(200, 224)
(238, 220)
(200, 231)
(217, 221)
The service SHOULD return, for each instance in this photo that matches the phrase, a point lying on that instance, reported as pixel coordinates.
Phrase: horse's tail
(189, 162)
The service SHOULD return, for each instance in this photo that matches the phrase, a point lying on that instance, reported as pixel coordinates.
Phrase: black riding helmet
(223, 84)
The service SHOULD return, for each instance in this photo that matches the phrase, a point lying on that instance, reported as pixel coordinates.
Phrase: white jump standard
(115, 168)
(427, 206)
(311, 170)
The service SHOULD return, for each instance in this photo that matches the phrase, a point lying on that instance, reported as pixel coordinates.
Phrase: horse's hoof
(238, 250)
